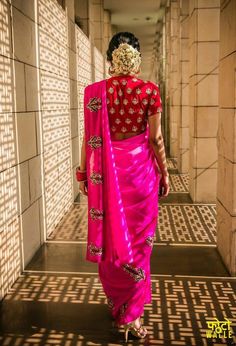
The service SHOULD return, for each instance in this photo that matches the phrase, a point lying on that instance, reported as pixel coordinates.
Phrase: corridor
(50, 50)
(58, 300)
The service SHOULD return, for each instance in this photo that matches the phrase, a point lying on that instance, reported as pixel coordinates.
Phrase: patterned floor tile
(179, 183)
(74, 226)
(171, 163)
(178, 313)
(188, 224)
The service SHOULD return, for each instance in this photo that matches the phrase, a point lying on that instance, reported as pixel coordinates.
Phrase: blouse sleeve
(155, 103)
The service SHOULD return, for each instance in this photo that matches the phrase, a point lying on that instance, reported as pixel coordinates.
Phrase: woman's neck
(125, 75)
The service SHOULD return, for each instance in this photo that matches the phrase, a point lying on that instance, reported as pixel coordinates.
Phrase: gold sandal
(139, 332)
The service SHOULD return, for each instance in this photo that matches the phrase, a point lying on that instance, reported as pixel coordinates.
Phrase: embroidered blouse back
(130, 101)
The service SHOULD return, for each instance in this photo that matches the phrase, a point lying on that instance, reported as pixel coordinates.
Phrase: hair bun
(126, 59)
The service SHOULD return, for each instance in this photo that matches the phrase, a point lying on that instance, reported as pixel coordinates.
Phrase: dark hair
(122, 37)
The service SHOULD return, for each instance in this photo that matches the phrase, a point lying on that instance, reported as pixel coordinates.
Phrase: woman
(123, 167)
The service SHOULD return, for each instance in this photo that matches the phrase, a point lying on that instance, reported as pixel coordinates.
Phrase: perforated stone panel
(84, 74)
(54, 83)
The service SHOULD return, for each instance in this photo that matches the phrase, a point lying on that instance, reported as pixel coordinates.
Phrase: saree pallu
(121, 231)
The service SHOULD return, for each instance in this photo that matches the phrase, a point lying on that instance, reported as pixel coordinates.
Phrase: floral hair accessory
(125, 59)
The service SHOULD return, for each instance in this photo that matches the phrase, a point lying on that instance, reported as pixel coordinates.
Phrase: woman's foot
(137, 323)
(136, 328)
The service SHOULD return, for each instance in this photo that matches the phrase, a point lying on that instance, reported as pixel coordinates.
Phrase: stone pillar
(96, 23)
(27, 114)
(73, 109)
(174, 80)
(226, 182)
(166, 132)
(183, 129)
(158, 73)
(106, 31)
(82, 15)
(203, 68)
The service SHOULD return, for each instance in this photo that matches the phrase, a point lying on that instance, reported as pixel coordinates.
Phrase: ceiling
(139, 17)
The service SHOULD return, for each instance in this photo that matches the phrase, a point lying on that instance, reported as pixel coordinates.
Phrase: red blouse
(130, 101)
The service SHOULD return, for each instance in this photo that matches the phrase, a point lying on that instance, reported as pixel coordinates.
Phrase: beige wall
(226, 181)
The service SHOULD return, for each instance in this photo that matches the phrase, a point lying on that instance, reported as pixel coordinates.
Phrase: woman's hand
(164, 186)
(83, 187)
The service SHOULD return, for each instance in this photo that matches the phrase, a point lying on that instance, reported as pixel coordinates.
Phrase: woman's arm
(83, 156)
(82, 184)
(157, 142)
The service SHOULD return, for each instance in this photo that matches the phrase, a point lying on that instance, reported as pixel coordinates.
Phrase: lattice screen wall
(54, 80)
(10, 264)
(84, 74)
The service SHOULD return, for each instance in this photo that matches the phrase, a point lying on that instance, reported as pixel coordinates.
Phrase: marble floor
(58, 299)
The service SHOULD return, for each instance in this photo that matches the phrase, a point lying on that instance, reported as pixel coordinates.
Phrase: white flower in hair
(126, 59)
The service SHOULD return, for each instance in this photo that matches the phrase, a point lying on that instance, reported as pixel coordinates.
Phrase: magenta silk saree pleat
(123, 182)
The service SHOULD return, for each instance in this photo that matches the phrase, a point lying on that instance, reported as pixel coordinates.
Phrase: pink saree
(123, 181)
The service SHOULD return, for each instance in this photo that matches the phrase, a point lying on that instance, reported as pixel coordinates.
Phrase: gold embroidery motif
(128, 121)
(139, 120)
(110, 303)
(137, 273)
(96, 178)
(134, 101)
(94, 104)
(95, 142)
(96, 214)
(95, 250)
(150, 240)
(123, 309)
(154, 92)
(112, 110)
